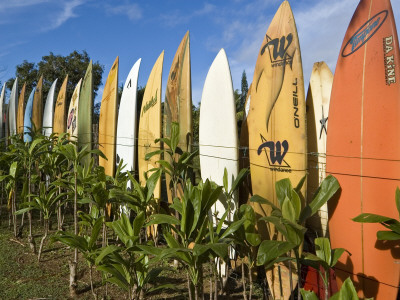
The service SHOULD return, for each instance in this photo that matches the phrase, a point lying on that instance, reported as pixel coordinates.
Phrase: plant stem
(244, 281)
(46, 230)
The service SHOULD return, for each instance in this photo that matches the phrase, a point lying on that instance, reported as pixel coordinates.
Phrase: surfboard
(21, 110)
(60, 121)
(12, 109)
(178, 102)
(127, 120)
(150, 123)
(277, 127)
(37, 106)
(73, 113)
(363, 148)
(48, 111)
(28, 117)
(2, 125)
(86, 111)
(218, 140)
(318, 98)
(108, 120)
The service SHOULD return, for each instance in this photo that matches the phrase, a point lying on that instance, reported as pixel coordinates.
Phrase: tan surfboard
(37, 106)
(108, 120)
(150, 123)
(59, 121)
(277, 128)
(73, 113)
(21, 110)
(178, 100)
(318, 98)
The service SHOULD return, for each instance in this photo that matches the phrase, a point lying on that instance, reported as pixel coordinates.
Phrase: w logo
(280, 46)
(277, 151)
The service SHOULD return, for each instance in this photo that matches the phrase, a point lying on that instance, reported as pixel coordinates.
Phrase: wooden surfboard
(218, 140)
(150, 123)
(37, 106)
(86, 111)
(28, 117)
(21, 110)
(108, 120)
(318, 97)
(363, 148)
(2, 125)
(48, 111)
(277, 128)
(73, 113)
(60, 121)
(178, 101)
(12, 109)
(127, 120)
(245, 191)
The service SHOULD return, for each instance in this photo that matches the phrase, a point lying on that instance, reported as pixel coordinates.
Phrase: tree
(57, 66)
(245, 89)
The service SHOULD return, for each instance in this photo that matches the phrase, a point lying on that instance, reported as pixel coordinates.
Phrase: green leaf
(300, 184)
(288, 211)
(232, 228)
(95, 232)
(323, 249)
(13, 169)
(296, 202)
(151, 184)
(225, 180)
(151, 154)
(336, 254)
(254, 239)
(283, 189)
(163, 219)
(138, 223)
(261, 200)
(174, 136)
(371, 218)
(239, 179)
(397, 197)
(325, 191)
(387, 236)
(347, 291)
(308, 295)
(270, 250)
(106, 251)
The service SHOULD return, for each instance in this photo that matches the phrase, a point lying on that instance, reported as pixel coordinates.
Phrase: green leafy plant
(289, 220)
(393, 234)
(325, 258)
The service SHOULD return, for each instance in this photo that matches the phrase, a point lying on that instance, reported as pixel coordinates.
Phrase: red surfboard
(363, 148)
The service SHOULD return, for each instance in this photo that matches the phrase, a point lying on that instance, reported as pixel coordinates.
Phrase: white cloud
(66, 13)
(177, 17)
(13, 4)
(131, 10)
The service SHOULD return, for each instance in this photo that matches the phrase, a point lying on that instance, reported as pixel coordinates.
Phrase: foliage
(393, 234)
(57, 66)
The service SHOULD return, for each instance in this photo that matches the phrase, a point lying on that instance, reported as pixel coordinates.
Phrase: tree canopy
(57, 66)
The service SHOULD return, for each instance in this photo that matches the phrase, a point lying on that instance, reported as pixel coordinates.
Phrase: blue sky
(31, 29)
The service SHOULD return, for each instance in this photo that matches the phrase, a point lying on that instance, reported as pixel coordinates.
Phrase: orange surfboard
(37, 107)
(363, 148)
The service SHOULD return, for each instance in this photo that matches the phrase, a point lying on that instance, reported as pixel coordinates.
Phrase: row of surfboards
(279, 138)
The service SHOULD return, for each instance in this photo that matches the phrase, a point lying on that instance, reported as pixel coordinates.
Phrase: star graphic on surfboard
(323, 122)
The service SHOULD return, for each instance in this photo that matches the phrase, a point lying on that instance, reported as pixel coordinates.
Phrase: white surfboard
(12, 109)
(72, 116)
(127, 122)
(218, 140)
(2, 111)
(318, 99)
(49, 111)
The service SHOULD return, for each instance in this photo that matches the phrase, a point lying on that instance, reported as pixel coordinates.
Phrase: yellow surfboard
(73, 113)
(37, 106)
(178, 100)
(108, 120)
(150, 123)
(21, 110)
(277, 127)
(59, 121)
